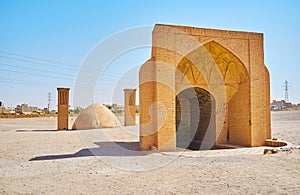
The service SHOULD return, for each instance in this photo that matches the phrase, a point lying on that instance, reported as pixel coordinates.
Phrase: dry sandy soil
(35, 159)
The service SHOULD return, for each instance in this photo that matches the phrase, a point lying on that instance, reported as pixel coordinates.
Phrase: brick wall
(63, 108)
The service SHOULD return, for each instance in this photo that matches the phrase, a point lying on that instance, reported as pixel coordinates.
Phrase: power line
(104, 74)
(37, 83)
(40, 75)
(45, 60)
(43, 75)
(7, 80)
(54, 66)
(42, 59)
(34, 58)
(85, 80)
(34, 69)
(38, 63)
(71, 77)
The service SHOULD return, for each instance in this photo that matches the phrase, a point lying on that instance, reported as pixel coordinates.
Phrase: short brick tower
(63, 108)
(130, 107)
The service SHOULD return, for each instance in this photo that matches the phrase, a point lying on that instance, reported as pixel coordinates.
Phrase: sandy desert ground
(36, 159)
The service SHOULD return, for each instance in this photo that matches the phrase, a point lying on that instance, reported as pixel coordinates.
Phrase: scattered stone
(288, 149)
(270, 151)
(153, 147)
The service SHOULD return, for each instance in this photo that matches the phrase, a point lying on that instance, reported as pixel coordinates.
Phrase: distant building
(115, 108)
(25, 109)
(282, 104)
(4, 110)
(278, 105)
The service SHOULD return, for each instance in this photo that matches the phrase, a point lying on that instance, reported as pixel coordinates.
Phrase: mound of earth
(95, 116)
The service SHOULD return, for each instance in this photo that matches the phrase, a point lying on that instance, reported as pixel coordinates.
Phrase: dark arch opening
(195, 108)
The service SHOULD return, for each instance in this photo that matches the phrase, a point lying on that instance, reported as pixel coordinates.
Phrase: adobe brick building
(202, 88)
(129, 107)
(63, 109)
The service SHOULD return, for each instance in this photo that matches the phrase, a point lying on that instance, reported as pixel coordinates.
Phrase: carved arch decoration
(231, 69)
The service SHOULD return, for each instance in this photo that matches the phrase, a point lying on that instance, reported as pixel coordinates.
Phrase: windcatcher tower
(63, 108)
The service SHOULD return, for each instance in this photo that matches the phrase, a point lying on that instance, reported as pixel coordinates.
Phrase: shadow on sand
(104, 149)
(36, 130)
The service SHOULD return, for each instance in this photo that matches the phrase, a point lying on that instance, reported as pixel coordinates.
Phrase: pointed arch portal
(195, 111)
(198, 97)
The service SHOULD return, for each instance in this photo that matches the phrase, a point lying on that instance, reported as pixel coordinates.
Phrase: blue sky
(63, 32)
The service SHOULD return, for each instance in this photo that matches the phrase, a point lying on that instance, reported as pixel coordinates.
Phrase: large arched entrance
(195, 113)
(224, 76)
(227, 64)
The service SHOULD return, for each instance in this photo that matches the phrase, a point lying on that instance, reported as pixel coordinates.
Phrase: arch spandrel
(227, 63)
(197, 68)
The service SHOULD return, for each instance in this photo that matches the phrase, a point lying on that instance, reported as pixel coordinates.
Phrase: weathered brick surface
(63, 108)
(227, 64)
(130, 107)
(267, 94)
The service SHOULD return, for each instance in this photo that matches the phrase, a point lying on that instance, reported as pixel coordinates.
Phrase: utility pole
(49, 101)
(286, 88)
